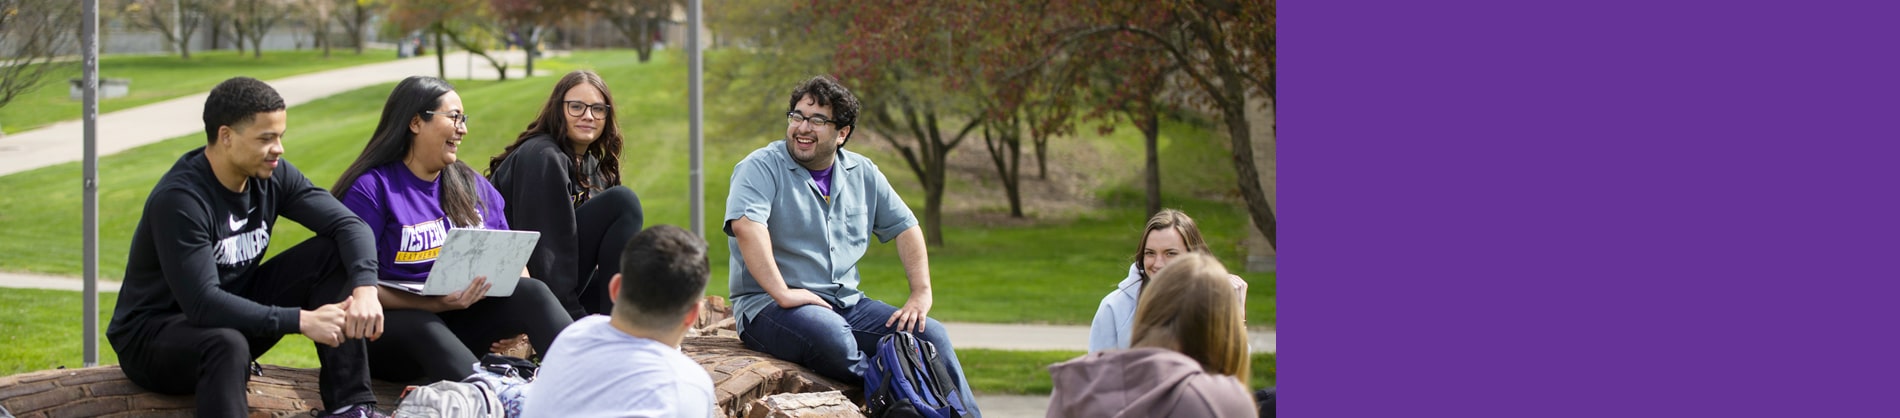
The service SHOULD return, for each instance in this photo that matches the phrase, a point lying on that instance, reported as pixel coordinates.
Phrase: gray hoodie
(1144, 382)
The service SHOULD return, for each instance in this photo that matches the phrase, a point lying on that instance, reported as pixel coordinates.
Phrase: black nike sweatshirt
(197, 242)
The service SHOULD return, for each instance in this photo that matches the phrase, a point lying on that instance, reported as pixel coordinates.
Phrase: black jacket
(197, 242)
(536, 182)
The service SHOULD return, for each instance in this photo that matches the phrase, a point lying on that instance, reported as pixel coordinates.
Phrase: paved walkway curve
(64, 142)
(966, 334)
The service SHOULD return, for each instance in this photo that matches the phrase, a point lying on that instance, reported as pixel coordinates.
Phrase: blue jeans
(828, 340)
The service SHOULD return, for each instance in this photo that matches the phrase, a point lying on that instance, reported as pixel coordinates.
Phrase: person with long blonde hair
(1188, 358)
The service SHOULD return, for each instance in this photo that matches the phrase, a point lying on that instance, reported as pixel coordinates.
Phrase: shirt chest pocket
(857, 225)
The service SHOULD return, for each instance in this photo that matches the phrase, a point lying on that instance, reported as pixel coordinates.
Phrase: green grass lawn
(42, 330)
(1054, 270)
(157, 78)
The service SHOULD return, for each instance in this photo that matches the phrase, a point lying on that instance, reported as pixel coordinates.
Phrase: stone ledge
(740, 377)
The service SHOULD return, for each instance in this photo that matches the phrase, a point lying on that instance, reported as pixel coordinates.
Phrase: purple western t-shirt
(823, 178)
(405, 214)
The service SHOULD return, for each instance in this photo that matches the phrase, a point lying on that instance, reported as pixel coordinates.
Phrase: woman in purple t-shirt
(411, 189)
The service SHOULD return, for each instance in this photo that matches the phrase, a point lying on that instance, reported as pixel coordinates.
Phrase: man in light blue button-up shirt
(799, 215)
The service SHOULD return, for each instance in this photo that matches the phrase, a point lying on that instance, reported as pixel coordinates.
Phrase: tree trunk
(531, 45)
(927, 158)
(441, 63)
(500, 65)
(257, 43)
(1014, 185)
(237, 31)
(934, 156)
(356, 30)
(1042, 157)
(642, 37)
(217, 26)
(323, 36)
(184, 42)
(1005, 148)
(1150, 124)
(1240, 135)
(1230, 98)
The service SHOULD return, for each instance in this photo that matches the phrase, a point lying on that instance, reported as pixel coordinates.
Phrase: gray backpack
(449, 399)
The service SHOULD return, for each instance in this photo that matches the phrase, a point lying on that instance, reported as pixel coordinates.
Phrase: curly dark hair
(237, 101)
(827, 92)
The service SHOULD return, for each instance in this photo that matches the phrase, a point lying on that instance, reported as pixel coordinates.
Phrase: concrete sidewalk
(965, 334)
(126, 129)
(1059, 337)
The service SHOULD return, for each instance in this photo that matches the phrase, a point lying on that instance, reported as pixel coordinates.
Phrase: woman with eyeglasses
(411, 188)
(562, 177)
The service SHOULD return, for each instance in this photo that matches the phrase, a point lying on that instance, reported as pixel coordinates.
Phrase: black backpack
(908, 379)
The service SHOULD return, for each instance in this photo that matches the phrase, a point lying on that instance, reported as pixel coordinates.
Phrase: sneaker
(361, 410)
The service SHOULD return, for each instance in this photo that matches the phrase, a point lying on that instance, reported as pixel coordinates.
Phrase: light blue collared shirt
(817, 243)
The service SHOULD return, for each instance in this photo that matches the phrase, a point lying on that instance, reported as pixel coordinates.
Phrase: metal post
(696, 110)
(89, 112)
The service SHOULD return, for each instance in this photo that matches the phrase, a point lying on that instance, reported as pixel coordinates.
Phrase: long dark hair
(553, 123)
(460, 198)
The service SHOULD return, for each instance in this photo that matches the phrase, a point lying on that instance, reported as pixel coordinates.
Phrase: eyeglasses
(575, 107)
(794, 118)
(461, 119)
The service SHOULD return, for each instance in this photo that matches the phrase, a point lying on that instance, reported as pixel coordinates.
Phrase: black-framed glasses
(793, 117)
(459, 117)
(575, 107)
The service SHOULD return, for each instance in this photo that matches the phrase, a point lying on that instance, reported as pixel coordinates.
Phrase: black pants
(167, 354)
(605, 223)
(421, 346)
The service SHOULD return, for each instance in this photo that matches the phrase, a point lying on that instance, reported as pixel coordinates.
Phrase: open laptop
(467, 253)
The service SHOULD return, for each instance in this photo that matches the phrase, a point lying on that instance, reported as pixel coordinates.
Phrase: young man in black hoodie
(197, 305)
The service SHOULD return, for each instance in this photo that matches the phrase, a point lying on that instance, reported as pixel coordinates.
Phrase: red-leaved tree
(1223, 49)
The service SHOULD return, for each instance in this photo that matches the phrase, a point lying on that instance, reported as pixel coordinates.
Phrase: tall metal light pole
(696, 111)
(89, 112)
